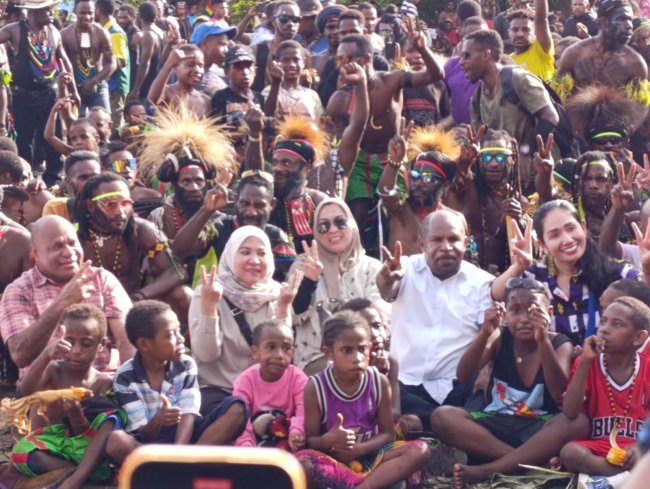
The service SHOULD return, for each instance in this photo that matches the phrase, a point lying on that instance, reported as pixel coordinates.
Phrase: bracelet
(255, 139)
(394, 164)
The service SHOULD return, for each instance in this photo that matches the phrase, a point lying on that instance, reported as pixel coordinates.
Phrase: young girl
(574, 272)
(274, 389)
(348, 418)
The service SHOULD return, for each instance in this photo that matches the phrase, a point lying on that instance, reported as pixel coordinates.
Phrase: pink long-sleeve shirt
(285, 394)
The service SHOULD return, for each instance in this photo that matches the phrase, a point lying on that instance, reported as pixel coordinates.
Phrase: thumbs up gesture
(168, 415)
(340, 439)
(59, 347)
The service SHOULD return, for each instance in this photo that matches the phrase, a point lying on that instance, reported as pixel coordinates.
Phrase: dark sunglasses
(524, 283)
(608, 139)
(426, 177)
(119, 166)
(339, 222)
(498, 157)
(284, 18)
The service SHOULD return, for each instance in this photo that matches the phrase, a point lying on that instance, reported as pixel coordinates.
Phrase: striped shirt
(141, 403)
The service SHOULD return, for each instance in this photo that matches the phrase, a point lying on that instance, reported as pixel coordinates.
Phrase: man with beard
(114, 239)
(605, 59)
(285, 22)
(34, 82)
(253, 207)
(432, 168)
(439, 301)
(89, 47)
(489, 194)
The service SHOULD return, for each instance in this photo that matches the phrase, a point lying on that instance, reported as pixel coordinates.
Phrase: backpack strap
(240, 319)
(509, 93)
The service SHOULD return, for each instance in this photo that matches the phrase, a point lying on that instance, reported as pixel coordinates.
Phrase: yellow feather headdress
(182, 133)
(303, 129)
(425, 139)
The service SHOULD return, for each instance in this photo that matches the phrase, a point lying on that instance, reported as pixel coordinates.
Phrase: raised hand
(392, 270)
(311, 265)
(414, 35)
(59, 348)
(352, 73)
(254, 119)
(62, 103)
(622, 194)
(79, 288)
(168, 415)
(276, 72)
(493, 317)
(541, 322)
(542, 159)
(289, 288)
(643, 242)
(643, 175)
(521, 246)
(397, 144)
(471, 146)
(211, 289)
(216, 198)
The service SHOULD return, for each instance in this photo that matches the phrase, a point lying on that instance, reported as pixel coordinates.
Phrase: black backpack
(564, 138)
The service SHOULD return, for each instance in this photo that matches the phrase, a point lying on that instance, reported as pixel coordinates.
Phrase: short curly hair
(141, 319)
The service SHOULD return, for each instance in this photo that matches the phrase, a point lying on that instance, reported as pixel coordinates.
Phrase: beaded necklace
(610, 395)
(41, 53)
(85, 65)
(117, 262)
(178, 219)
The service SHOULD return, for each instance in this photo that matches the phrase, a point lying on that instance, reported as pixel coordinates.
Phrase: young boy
(231, 104)
(531, 369)
(187, 63)
(158, 388)
(74, 435)
(274, 390)
(613, 391)
(286, 96)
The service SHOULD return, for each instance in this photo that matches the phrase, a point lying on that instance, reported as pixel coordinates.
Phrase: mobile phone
(389, 50)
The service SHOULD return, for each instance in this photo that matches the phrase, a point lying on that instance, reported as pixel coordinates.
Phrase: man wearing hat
(607, 58)
(34, 80)
(285, 23)
(214, 41)
(308, 33)
(328, 25)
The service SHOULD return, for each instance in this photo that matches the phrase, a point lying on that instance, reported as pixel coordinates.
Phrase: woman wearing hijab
(347, 273)
(226, 308)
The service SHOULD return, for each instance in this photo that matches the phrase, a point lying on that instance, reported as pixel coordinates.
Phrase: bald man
(32, 305)
(438, 305)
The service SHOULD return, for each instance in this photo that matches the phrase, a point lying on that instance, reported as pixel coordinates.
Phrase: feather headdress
(181, 136)
(426, 139)
(298, 135)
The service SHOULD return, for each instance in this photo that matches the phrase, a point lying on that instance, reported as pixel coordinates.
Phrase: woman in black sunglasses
(346, 272)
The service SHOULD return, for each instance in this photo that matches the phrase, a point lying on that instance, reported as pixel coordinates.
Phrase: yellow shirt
(537, 61)
(58, 207)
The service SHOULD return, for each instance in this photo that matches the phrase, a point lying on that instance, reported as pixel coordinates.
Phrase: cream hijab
(334, 265)
(248, 299)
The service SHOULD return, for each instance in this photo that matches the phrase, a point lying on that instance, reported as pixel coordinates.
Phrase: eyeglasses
(114, 206)
(340, 222)
(426, 177)
(284, 18)
(119, 166)
(524, 283)
(258, 173)
(498, 157)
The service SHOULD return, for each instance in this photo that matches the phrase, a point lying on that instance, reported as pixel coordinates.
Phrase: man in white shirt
(438, 306)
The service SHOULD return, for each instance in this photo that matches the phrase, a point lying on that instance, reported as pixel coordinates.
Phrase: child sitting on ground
(530, 374)
(83, 133)
(159, 390)
(348, 417)
(610, 384)
(632, 288)
(187, 63)
(75, 432)
(274, 390)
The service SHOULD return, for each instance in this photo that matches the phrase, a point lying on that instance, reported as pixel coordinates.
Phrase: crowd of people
(334, 229)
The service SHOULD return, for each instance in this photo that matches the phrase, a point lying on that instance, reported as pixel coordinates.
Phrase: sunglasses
(608, 139)
(498, 157)
(114, 206)
(284, 18)
(258, 173)
(340, 222)
(524, 283)
(119, 166)
(426, 177)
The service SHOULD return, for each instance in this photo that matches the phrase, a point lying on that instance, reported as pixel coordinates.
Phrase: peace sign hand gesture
(521, 247)
(392, 270)
(622, 194)
(470, 148)
(311, 265)
(397, 144)
(211, 291)
(414, 35)
(643, 241)
(643, 176)
(542, 159)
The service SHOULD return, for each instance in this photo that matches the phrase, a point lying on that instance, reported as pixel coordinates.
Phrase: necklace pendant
(519, 360)
(100, 241)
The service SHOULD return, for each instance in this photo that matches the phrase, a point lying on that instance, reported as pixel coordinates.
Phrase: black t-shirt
(230, 107)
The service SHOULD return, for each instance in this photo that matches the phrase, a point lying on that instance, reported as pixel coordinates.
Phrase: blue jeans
(99, 98)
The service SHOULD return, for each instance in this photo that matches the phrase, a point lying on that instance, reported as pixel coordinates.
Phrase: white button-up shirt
(433, 322)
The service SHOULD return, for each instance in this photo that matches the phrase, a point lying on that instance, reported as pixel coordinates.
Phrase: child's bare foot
(555, 463)
(468, 474)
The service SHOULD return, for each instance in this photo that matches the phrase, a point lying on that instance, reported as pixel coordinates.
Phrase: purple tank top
(359, 410)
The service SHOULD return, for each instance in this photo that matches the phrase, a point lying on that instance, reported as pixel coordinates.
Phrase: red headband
(433, 165)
